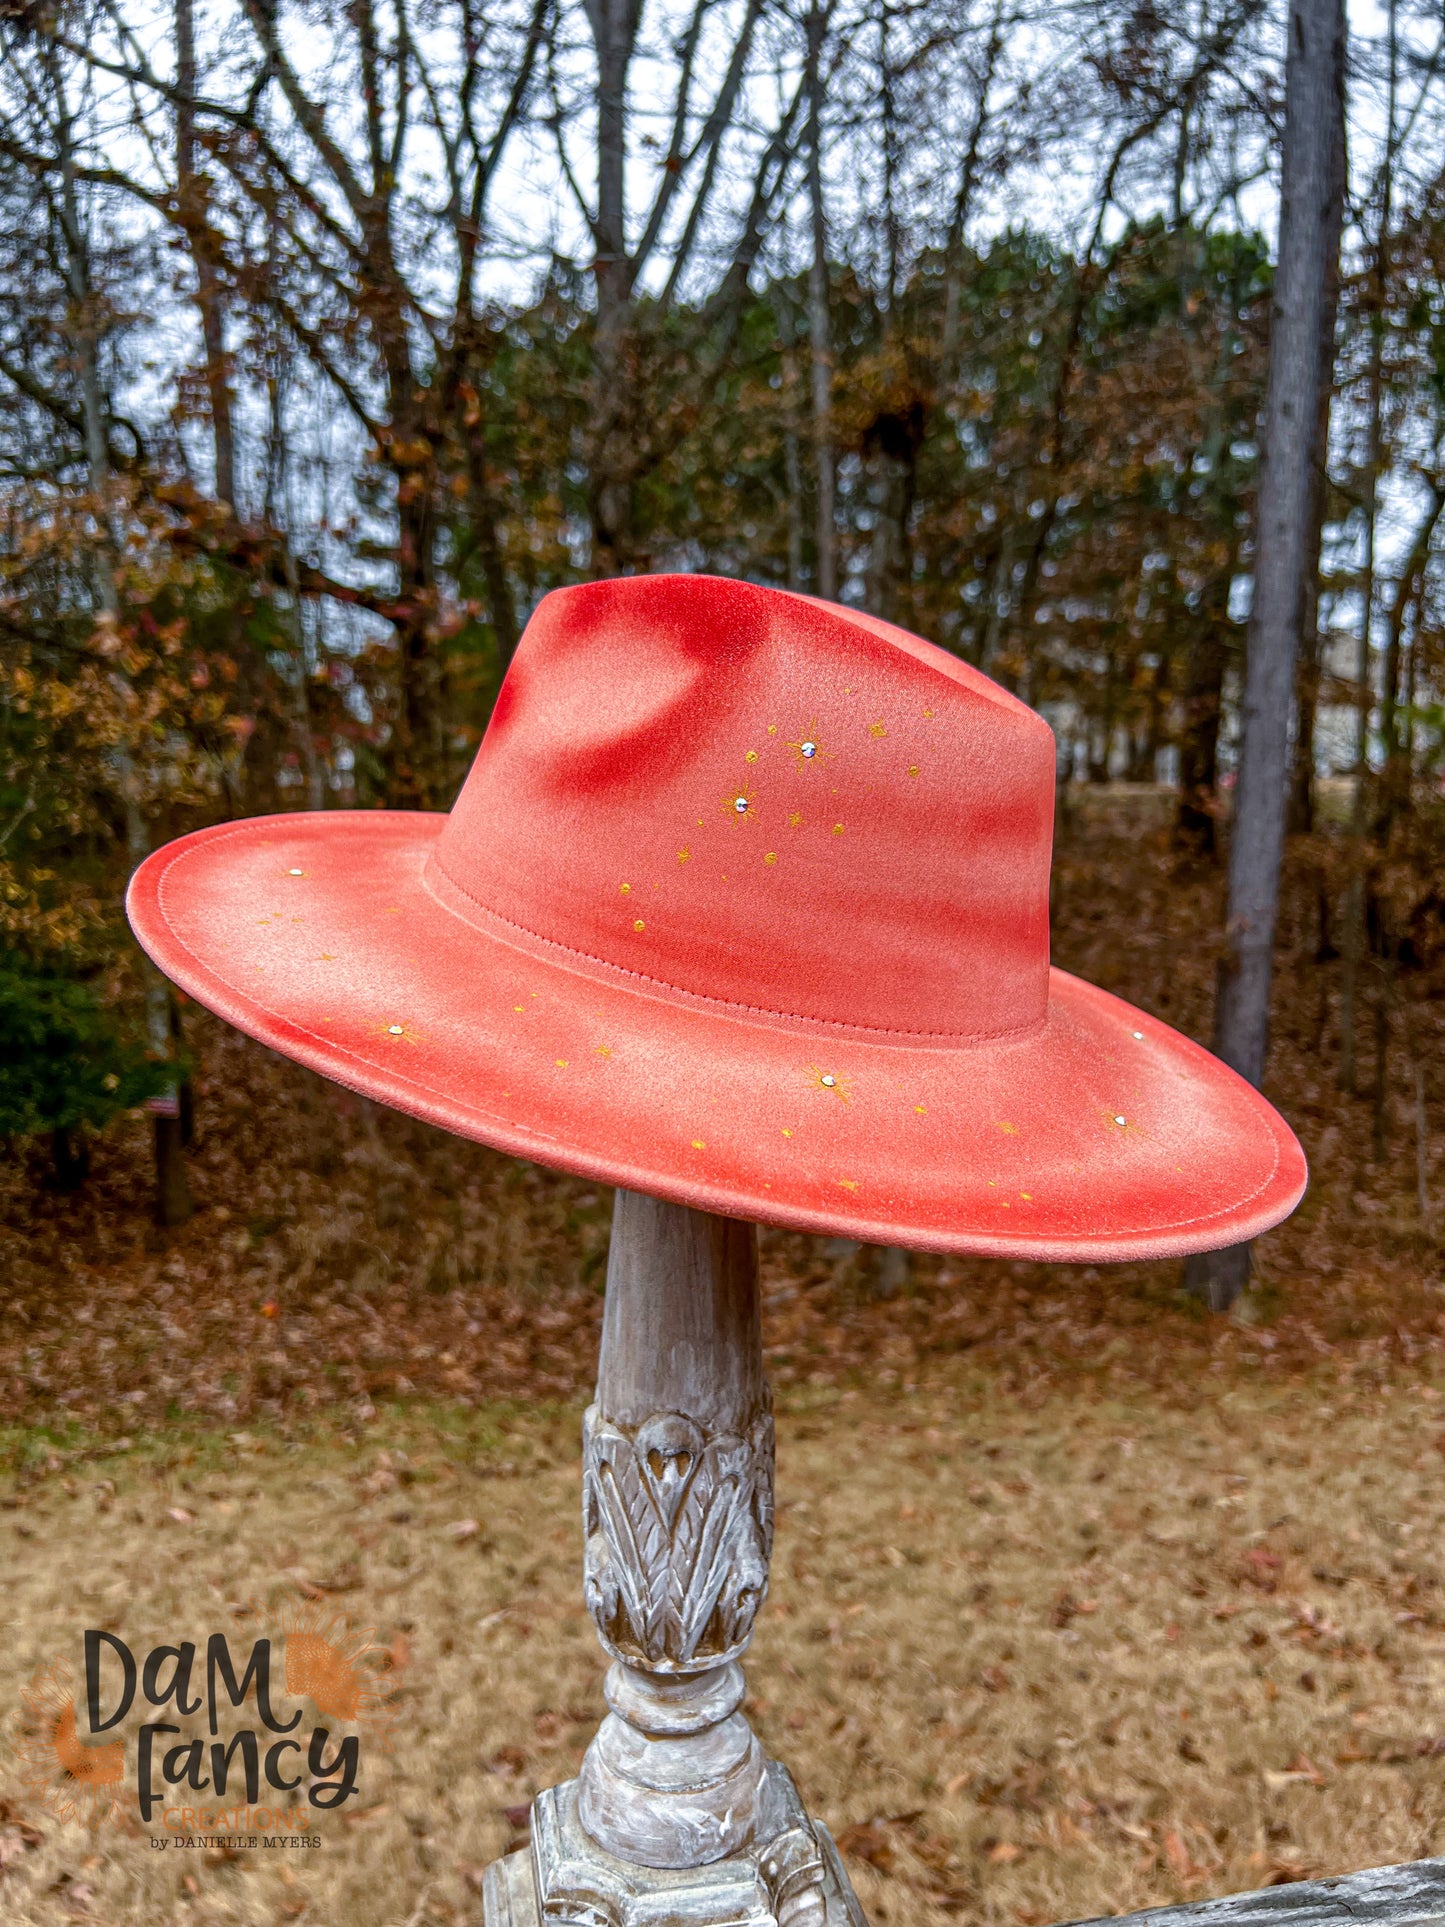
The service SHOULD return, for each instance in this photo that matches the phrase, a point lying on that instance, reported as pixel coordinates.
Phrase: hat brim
(1104, 1135)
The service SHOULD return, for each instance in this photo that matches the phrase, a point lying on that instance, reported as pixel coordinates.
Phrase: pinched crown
(766, 804)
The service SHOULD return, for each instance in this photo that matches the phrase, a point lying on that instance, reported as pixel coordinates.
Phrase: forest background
(330, 339)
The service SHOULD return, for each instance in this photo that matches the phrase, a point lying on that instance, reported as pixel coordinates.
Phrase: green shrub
(64, 1062)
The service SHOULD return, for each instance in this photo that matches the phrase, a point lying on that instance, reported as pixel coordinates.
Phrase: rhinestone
(295, 873)
(1120, 1120)
(827, 1080)
(1138, 1036)
(741, 806)
(395, 1030)
(810, 750)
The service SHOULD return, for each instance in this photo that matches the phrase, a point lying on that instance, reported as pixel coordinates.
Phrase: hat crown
(746, 798)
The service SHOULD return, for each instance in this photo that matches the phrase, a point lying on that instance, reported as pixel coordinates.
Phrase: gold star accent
(928, 715)
(639, 924)
(837, 829)
(604, 1050)
(751, 757)
(808, 749)
(771, 857)
(848, 1184)
(913, 769)
(396, 1032)
(1009, 1130)
(877, 729)
(326, 957)
(772, 729)
(626, 890)
(830, 1081)
(738, 804)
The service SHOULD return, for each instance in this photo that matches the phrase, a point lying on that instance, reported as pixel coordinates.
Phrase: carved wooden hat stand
(743, 909)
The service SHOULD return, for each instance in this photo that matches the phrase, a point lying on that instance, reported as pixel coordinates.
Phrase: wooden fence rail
(1412, 1895)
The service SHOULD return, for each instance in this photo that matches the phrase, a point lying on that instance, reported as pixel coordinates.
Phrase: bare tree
(1314, 68)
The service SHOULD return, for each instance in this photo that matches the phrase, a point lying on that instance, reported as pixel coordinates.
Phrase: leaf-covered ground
(1031, 1657)
(341, 1252)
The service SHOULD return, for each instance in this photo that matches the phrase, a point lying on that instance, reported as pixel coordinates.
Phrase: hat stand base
(677, 1818)
(566, 1877)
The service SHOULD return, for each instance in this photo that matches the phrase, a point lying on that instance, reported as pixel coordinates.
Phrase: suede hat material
(744, 903)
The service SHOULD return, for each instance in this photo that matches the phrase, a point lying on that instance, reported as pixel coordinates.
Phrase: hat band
(454, 897)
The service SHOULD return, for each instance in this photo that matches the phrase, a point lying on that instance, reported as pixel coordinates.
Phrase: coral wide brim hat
(744, 903)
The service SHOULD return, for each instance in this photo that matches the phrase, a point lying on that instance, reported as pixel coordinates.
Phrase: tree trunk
(614, 34)
(200, 237)
(1313, 67)
(173, 1199)
(70, 1159)
(1353, 945)
(1301, 815)
(819, 332)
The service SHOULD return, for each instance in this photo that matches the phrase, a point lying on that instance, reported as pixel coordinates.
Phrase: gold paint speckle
(786, 1131)
(913, 769)
(393, 910)
(920, 1110)
(326, 957)
(1027, 1196)
(837, 829)
(772, 729)
(877, 729)
(795, 820)
(604, 1050)
(928, 715)
(698, 1145)
(1009, 1130)
(830, 1081)
(561, 1063)
(848, 1184)
(770, 856)
(521, 1009)
(684, 855)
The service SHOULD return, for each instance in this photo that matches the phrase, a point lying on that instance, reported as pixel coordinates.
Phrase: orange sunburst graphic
(331, 1663)
(76, 1781)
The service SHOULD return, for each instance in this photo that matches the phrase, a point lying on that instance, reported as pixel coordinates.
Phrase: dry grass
(1031, 1658)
